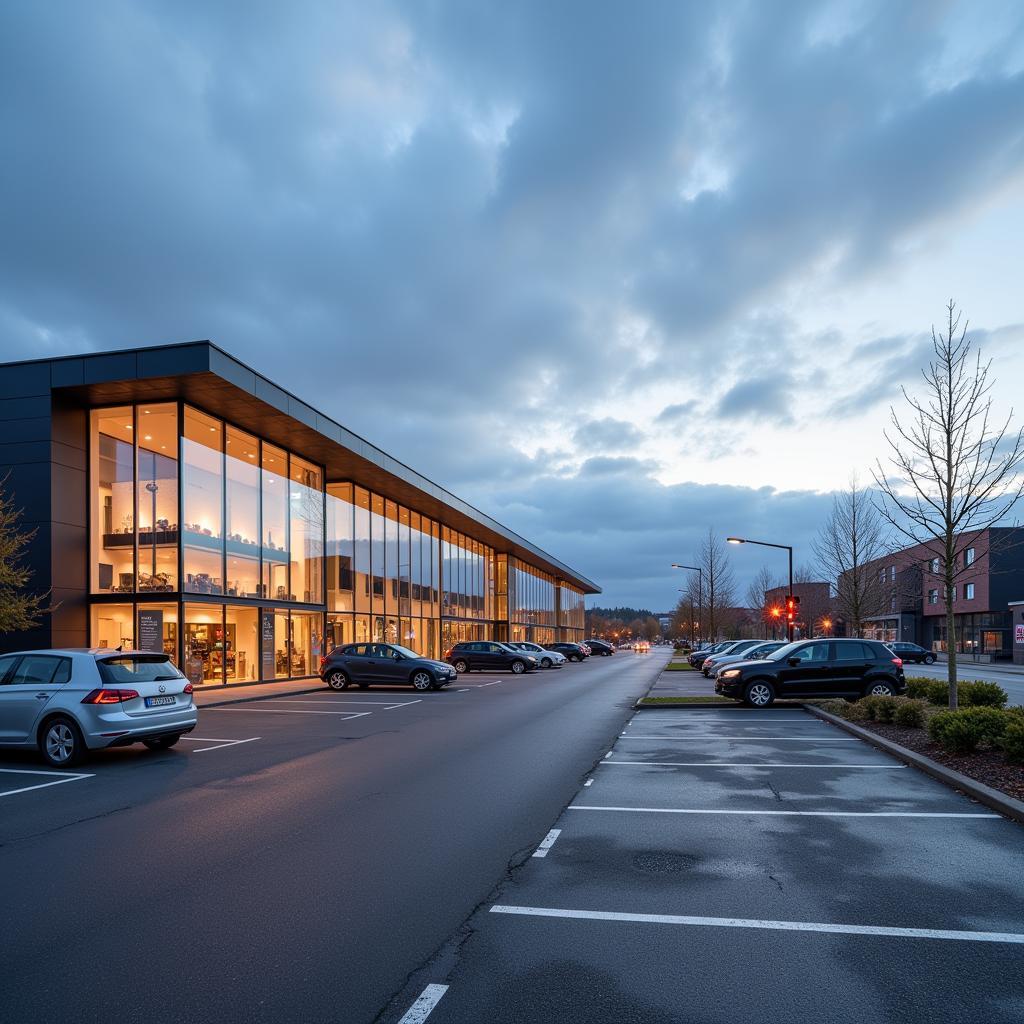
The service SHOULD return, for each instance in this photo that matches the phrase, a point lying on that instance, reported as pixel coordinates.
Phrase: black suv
(814, 668)
(912, 652)
(600, 647)
(389, 664)
(489, 656)
(572, 651)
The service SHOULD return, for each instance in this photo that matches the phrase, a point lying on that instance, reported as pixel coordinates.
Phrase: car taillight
(188, 688)
(448, 653)
(323, 661)
(105, 696)
(898, 662)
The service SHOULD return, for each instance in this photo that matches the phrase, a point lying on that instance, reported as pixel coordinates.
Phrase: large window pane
(306, 642)
(203, 488)
(157, 477)
(242, 509)
(377, 562)
(112, 626)
(306, 504)
(363, 547)
(241, 644)
(274, 484)
(113, 518)
(340, 630)
(203, 643)
(339, 552)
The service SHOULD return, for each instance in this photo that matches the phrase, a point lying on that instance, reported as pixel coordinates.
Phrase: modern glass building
(184, 503)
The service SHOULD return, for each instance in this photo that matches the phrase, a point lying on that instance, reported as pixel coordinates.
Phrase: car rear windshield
(137, 668)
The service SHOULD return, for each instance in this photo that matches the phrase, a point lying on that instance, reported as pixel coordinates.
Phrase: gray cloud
(508, 212)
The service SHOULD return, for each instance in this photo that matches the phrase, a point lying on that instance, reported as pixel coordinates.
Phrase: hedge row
(959, 732)
(969, 695)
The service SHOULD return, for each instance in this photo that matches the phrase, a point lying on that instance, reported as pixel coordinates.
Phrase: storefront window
(362, 550)
(157, 499)
(112, 626)
(242, 509)
(340, 630)
(306, 508)
(203, 489)
(306, 642)
(241, 644)
(156, 629)
(339, 552)
(113, 518)
(203, 644)
(274, 485)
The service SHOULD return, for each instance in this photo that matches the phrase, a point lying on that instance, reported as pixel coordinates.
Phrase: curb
(246, 700)
(1005, 805)
(671, 707)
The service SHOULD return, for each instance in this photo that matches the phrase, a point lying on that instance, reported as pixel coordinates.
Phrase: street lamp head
(735, 540)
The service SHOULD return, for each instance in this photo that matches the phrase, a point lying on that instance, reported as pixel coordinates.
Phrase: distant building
(816, 613)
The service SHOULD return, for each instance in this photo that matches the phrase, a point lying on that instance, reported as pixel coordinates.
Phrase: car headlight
(730, 673)
(530, 657)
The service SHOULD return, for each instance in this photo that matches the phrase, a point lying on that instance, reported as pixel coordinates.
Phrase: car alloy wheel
(421, 680)
(518, 667)
(546, 663)
(337, 680)
(460, 667)
(760, 694)
(929, 659)
(881, 690)
(62, 743)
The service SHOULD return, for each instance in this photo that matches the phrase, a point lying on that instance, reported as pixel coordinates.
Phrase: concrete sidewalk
(215, 695)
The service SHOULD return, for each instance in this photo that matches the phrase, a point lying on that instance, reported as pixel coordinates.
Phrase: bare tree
(955, 470)
(719, 583)
(853, 535)
(757, 594)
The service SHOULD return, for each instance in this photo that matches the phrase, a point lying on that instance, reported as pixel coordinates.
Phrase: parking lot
(741, 866)
(300, 855)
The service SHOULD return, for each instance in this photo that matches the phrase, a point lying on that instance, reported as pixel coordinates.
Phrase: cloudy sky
(616, 273)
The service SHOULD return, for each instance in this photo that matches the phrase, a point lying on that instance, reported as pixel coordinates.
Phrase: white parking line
(589, 782)
(324, 703)
(64, 777)
(787, 926)
(404, 704)
(756, 739)
(287, 711)
(744, 764)
(421, 1009)
(547, 842)
(220, 744)
(784, 814)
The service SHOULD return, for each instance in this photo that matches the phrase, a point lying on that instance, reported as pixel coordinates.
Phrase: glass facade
(236, 558)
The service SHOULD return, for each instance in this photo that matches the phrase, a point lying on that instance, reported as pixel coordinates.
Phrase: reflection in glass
(306, 505)
(203, 489)
(113, 517)
(158, 497)
(242, 508)
(274, 486)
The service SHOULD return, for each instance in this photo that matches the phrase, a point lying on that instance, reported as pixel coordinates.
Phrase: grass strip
(679, 666)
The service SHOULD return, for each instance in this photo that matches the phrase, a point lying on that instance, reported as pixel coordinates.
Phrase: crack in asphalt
(67, 824)
(778, 795)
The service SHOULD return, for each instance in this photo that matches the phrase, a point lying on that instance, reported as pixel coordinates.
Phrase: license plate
(156, 702)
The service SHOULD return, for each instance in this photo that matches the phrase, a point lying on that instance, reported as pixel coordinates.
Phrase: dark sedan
(815, 668)
(696, 659)
(605, 650)
(489, 656)
(912, 652)
(389, 664)
(574, 652)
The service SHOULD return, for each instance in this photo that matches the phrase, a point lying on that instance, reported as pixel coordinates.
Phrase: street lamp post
(700, 593)
(768, 544)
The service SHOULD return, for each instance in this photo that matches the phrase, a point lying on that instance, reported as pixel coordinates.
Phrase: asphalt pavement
(735, 866)
(297, 858)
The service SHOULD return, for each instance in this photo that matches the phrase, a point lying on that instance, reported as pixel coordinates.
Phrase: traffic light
(792, 606)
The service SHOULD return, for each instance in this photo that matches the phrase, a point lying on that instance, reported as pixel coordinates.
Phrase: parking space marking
(785, 814)
(322, 703)
(589, 782)
(756, 739)
(547, 842)
(424, 1005)
(220, 744)
(288, 711)
(744, 764)
(404, 704)
(64, 777)
(786, 926)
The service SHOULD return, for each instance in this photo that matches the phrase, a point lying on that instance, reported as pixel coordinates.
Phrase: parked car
(912, 652)
(696, 658)
(815, 668)
(389, 664)
(586, 648)
(545, 658)
(738, 647)
(601, 647)
(573, 652)
(490, 656)
(65, 703)
(761, 650)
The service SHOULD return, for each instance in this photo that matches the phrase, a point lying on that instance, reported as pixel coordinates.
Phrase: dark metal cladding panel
(32, 407)
(115, 366)
(24, 379)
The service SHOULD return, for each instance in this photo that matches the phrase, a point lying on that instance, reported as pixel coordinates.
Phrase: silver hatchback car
(67, 702)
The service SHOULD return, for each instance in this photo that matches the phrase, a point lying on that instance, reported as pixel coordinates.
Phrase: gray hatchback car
(67, 702)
